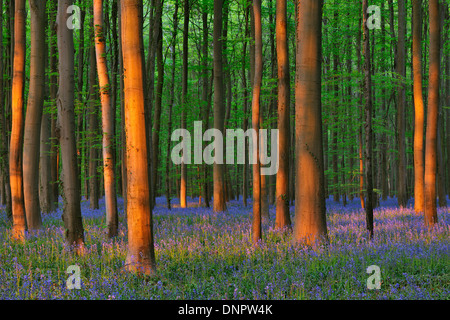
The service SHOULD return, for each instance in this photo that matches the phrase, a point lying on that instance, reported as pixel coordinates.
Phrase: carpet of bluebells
(205, 255)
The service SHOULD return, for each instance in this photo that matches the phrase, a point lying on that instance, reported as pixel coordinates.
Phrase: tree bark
(34, 116)
(66, 126)
(205, 97)
(93, 131)
(401, 121)
(47, 203)
(245, 107)
(334, 116)
(158, 102)
(54, 152)
(360, 133)
(283, 218)
(172, 94)
(140, 256)
(5, 68)
(107, 122)
(256, 220)
(219, 204)
(184, 83)
(122, 113)
(418, 108)
(15, 156)
(432, 115)
(310, 220)
(368, 124)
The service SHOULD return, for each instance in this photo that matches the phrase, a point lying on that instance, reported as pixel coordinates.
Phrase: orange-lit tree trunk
(432, 115)
(218, 169)
(419, 112)
(107, 122)
(66, 125)
(140, 256)
(15, 154)
(256, 221)
(34, 115)
(283, 218)
(310, 221)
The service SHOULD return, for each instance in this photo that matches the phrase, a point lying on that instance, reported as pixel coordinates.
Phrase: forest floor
(204, 255)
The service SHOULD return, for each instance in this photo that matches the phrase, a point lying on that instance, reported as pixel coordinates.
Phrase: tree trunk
(107, 122)
(246, 98)
(2, 113)
(206, 98)
(432, 115)
(15, 156)
(360, 133)
(158, 101)
(368, 124)
(334, 117)
(172, 93)
(79, 109)
(122, 113)
(219, 204)
(283, 218)
(5, 68)
(34, 115)
(140, 256)
(418, 108)
(310, 220)
(440, 134)
(45, 179)
(401, 121)
(264, 178)
(66, 126)
(383, 142)
(54, 152)
(256, 221)
(447, 112)
(184, 82)
(93, 131)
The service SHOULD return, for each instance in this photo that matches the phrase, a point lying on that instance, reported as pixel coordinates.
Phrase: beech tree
(419, 113)
(66, 126)
(140, 256)
(34, 115)
(256, 221)
(93, 130)
(107, 122)
(184, 84)
(283, 218)
(17, 97)
(432, 115)
(368, 111)
(310, 221)
(401, 104)
(219, 180)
